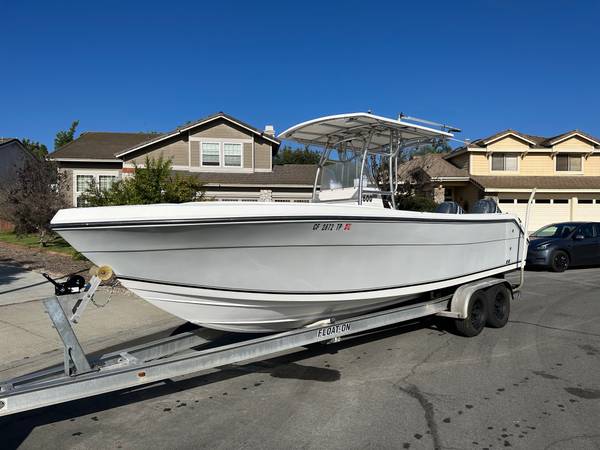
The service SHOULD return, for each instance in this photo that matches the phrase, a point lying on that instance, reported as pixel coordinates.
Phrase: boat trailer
(182, 354)
(187, 353)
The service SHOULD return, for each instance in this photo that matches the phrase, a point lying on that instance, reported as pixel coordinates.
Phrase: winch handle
(59, 288)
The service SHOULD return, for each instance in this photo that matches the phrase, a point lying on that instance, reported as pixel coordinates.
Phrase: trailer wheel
(476, 317)
(498, 307)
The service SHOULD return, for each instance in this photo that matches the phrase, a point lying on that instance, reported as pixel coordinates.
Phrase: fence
(6, 226)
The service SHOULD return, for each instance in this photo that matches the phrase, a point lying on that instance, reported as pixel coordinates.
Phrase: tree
(436, 146)
(412, 180)
(36, 148)
(35, 196)
(153, 183)
(63, 137)
(289, 155)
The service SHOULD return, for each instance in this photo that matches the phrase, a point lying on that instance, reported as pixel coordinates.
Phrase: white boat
(262, 267)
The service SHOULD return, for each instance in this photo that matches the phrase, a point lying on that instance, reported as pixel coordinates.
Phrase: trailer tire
(498, 307)
(476, 316)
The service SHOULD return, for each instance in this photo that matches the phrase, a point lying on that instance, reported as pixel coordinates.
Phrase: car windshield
(558, 230)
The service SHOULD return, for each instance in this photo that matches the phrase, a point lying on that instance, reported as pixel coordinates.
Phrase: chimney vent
(270, 130)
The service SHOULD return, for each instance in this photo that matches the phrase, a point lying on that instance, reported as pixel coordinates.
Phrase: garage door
(545, 210)
(587, 209)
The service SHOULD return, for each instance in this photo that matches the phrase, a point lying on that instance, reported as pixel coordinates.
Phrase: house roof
(538, 182)
(434, 165)
(287, 174)
(568, 134)
(92, 145)
(189, 125)
(6, 140)
(535, 141)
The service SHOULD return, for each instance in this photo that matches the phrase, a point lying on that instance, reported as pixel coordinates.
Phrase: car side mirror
(579, 237)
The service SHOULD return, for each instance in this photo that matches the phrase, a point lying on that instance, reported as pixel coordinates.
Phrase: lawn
(56, 244)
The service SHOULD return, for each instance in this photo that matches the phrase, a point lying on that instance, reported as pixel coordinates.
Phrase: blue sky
(144, 66)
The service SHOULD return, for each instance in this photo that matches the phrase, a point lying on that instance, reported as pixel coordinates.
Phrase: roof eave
(572, 134)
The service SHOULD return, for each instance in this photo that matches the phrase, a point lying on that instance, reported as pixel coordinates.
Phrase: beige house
(232, 158)
(564, 169)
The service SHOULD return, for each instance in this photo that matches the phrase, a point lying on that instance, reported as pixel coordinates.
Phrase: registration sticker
(332, 226)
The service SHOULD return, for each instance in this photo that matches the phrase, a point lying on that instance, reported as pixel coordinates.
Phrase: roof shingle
(100, 145)
(434, 165)
(538, 182)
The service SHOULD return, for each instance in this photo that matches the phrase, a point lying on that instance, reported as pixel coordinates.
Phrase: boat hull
(275, 271)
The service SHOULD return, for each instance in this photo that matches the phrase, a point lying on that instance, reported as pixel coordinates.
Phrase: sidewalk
(30, 342)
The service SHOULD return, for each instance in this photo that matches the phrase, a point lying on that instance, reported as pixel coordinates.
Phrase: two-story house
(564, 169)
(234, 160)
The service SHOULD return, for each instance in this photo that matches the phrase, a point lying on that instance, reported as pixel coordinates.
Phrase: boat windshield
(342, 174)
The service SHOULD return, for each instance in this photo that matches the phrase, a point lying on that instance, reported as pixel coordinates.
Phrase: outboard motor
(449, 208)
(485, 206)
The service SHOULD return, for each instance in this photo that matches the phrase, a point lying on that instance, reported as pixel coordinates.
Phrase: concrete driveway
(18, 285)
(532, 384)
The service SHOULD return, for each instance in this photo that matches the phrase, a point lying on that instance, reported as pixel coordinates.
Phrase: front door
(585, 245)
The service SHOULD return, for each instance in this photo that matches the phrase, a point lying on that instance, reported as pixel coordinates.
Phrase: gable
(509, 142)
(574, 143)
(220, 129)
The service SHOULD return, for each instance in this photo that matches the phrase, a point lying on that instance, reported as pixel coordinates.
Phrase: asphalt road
(534, 384)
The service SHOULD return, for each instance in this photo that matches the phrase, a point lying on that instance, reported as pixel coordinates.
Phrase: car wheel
(560, 261)
(498, 307)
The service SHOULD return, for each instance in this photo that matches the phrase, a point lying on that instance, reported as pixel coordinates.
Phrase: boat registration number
(333, 330)
(332, 226)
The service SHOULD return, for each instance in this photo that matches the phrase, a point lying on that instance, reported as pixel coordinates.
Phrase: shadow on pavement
(9, 273)
(15, 429)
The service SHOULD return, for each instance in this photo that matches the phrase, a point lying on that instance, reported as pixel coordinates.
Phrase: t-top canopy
(354, 129)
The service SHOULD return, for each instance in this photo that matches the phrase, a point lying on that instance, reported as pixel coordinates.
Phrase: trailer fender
(459, 305)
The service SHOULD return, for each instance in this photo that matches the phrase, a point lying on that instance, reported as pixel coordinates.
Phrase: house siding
(195, 153)
(176, 150)
(591, 166)
(262, 155)
(247, 156)
(222, 130)
(479, 165)
(508, 143)
(574, 143)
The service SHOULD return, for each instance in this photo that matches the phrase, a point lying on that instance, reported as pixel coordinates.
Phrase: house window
(106, 181)
(210, 154)
(568, 163)
(505, 162)
(448, 197)
(232, 155)
(84, 182)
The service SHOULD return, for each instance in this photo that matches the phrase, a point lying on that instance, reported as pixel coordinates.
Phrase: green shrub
(153, 183)
(415, 203)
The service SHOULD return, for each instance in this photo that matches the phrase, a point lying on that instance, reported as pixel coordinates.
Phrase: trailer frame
(191, 352)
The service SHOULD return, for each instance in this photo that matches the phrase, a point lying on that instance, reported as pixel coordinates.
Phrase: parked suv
(561, 245)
